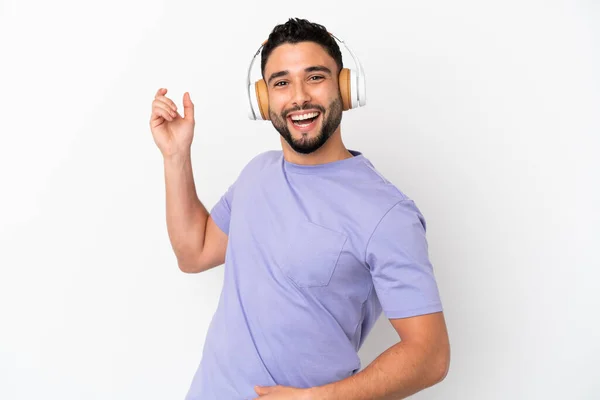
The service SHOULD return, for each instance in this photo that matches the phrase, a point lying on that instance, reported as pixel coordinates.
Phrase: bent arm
(196, 240)
(419, 361)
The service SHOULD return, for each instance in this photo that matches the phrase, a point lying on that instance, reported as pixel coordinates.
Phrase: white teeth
(304, 116)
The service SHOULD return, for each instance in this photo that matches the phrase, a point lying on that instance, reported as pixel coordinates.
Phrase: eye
(278, 83)
(316, 78)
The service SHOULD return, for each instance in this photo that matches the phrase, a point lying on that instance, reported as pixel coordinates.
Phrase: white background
(485, 113)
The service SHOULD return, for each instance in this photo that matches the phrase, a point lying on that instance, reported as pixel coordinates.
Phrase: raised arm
(196, 240)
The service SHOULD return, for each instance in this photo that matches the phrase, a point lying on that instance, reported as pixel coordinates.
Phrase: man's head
(300, 64)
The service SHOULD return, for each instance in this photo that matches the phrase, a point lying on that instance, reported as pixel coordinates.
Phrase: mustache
(306, 107)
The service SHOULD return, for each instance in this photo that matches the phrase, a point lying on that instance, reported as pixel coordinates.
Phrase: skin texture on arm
(197, 241)
(213, 251)
(420, 360)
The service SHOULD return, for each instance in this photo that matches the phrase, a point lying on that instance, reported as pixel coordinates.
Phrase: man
(316, 244)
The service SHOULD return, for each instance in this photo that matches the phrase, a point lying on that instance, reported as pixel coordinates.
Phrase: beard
(332, 117)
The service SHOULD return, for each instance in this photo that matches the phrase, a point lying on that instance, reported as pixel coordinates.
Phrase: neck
(332, 150)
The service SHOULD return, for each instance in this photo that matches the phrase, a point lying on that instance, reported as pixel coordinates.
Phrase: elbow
(441, 365)
(190, 265)
(188, 268)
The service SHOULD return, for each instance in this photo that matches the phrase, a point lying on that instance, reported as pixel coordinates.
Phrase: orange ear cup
(263, 98)
(344, 82)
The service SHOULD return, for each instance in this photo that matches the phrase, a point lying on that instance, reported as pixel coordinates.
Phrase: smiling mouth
(304, 121)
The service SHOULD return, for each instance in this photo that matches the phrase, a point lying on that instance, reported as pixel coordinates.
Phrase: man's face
(304, 99)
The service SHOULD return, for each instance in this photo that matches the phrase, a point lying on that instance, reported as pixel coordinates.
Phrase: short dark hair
(297, 30)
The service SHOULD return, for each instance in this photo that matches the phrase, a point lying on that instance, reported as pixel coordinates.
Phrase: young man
(316, 245)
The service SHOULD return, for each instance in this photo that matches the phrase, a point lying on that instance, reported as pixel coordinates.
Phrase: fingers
(160, 109)
(188, 107)
(160, 96)
(162, 112)
(163, 107)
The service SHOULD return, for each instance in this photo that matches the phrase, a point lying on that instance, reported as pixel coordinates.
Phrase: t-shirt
(315, 254)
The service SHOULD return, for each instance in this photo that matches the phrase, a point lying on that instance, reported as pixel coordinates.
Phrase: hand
(282, 393)
(172, 133)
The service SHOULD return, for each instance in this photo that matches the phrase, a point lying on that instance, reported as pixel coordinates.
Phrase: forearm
(186, 215)
(402, 370)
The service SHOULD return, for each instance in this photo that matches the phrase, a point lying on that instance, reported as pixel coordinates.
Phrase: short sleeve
(221, 212)
(398, 259)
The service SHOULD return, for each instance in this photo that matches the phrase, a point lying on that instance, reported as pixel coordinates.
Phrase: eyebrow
(314, 68)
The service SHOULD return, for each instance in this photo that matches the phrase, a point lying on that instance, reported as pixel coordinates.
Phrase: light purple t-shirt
(315, 254)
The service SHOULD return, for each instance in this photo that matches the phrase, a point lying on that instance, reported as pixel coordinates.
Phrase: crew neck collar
(330, 166)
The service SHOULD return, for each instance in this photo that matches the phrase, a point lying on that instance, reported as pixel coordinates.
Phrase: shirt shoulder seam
(377, 226)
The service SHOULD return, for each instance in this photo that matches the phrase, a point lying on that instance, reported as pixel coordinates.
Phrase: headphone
(352, 88)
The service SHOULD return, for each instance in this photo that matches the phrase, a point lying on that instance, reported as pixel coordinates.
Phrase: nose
(301, 96)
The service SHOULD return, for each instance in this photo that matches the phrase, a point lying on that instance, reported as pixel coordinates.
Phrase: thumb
(262, 390)
(188, 107)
